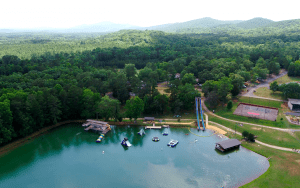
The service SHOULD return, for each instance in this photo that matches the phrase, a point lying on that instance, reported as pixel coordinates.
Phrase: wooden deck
(97, 126)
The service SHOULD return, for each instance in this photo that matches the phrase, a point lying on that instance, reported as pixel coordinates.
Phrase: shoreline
(17, 143)
(13, 145)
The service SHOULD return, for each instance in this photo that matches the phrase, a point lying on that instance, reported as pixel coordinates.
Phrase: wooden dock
(153, 127)
(97, 126)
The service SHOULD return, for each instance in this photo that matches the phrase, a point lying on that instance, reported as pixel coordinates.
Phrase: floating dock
(153, 127)
(97, 126)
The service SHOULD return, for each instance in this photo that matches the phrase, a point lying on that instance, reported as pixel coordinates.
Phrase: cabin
(177, 75)
(149, 118)
(228, 145)
(294, 104)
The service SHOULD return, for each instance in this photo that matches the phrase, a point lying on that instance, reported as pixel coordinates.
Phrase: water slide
(201, 112)
(197, 113)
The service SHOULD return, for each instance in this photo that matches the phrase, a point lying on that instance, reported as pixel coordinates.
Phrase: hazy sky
(66, 13)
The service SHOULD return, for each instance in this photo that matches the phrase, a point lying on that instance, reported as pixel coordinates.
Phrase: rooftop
(294, 101)
(229, 143)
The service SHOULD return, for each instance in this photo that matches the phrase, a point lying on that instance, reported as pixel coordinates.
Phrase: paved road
(264, 84)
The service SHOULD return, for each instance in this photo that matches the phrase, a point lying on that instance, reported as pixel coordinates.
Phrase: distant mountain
(100, 27)
(198, 23)
(254, 23)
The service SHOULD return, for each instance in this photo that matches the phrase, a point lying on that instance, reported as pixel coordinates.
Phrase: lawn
(265, 92)
(266, 135)
(281, 120)
(262, 102)
(284, 170)
(285, 79)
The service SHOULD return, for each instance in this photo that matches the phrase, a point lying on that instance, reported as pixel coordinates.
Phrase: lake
(69, 157)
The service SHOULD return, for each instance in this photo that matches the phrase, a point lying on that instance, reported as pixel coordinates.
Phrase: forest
(46, 78)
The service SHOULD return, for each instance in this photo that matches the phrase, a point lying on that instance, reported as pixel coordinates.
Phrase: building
(294, 104)
(149, 118)
(228, 144)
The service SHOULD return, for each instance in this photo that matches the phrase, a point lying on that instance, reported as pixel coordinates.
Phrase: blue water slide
(201, 112)
(197, 113)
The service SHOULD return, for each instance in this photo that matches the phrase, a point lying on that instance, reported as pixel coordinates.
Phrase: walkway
(256, 141)
(275, 128)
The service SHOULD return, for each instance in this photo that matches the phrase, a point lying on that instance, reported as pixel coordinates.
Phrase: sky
(65, 13)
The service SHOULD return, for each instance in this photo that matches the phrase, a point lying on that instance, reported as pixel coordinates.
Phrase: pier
(97, 126)
(153, 127)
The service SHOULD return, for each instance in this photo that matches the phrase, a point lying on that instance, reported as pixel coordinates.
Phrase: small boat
(141, 132)
(165, 133)
(173, 143)
(125, 142)
(155, 139)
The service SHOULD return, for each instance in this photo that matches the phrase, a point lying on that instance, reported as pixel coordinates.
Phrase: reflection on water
(70, 157)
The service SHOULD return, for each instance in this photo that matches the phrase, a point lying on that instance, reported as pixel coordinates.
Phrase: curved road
(264, 84)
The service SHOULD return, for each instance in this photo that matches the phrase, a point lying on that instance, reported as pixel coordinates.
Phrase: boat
(125, 142)
(173, 143)
(141, 132)
(165, 133)
(155, 139)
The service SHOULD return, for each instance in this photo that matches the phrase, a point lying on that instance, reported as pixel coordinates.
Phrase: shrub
(229, 105)
(245, 134)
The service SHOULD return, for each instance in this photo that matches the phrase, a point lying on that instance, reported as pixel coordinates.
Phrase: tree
(237, 81)
(224, 87)
(245, 134)
(134, 107)
(229, 105)
(188, 78)
(186, 94)
(130, 71)
(108, 108)
(274, 86)
(250, 137)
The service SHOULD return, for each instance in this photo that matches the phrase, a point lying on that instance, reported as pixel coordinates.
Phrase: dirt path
(264, 84)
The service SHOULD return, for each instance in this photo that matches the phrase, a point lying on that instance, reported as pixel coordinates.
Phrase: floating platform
(153, 127)
(97, 126)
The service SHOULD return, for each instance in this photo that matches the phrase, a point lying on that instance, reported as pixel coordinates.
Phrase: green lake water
(69, 157)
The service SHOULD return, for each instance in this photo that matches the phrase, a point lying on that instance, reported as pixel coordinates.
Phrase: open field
(284, 170)
(285, 79)
(280, 122)
(266, 135)
(262, 102)
(162, 91)
(265, 92)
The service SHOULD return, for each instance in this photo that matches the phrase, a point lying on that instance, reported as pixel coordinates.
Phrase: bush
(229, 105)
(245, 134)
(251, 137)
(178, 119)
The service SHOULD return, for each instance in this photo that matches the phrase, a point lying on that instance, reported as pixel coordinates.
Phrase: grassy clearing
(265, 92)
(262, 102)
(285, 79)
(281, 120)
(162, 90)
(266, 135)
(284, 170)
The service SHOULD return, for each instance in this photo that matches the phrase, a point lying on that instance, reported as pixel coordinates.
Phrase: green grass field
(266, 135)
(285, 79)
(281, 120)
(284, 170)
(265, 92)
